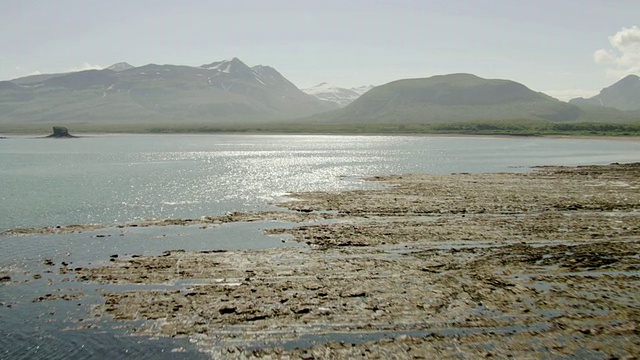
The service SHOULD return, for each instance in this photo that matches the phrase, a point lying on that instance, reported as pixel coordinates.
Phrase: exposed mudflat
(542, 264)
(205, 221)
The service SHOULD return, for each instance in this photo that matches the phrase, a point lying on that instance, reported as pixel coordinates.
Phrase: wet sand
(540, 264)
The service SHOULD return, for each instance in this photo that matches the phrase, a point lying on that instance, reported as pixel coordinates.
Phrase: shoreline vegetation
(502, 127)
(537, 264)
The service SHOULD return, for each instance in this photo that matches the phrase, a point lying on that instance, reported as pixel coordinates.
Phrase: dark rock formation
(60, 132)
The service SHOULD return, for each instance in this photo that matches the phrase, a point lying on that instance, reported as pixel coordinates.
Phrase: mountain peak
(627, 81)
(632, 76)
(229, 66)
(121, 66)
(622, 95)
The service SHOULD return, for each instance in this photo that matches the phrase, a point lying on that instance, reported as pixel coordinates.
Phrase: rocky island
(539, 264)
(61, 132)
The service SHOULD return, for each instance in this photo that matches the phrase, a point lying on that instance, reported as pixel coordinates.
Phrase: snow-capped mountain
(338, 95)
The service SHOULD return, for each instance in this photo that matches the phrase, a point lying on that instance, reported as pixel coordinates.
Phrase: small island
(61, 132)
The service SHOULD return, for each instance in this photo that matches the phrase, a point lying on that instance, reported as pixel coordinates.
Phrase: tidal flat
(526, 265)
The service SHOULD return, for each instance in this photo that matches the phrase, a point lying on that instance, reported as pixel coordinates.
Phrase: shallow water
(116, 179)
(47, 329)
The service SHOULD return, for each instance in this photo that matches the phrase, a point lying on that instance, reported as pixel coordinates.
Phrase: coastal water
(114, 179)
(111, 180)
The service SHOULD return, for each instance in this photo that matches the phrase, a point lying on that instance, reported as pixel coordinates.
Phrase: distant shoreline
(7, 136)
(508, 128)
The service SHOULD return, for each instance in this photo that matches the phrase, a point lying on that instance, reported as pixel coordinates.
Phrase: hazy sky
(564, 48)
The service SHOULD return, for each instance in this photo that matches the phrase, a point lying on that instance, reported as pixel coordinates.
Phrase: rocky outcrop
(476, 271)
(61, 132)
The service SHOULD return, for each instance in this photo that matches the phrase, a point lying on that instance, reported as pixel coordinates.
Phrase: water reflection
(115, 179)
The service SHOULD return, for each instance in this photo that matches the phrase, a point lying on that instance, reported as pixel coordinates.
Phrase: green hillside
(460, 98)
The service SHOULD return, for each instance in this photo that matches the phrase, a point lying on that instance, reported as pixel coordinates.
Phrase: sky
(564, 48)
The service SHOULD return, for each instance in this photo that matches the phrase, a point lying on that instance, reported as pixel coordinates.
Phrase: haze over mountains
(230, 93)
(222, 92)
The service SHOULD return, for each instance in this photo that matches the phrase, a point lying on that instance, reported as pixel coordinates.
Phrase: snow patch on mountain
(222, 66)
(362, 89)
(121, 66)
(338, 95)
(231, 66)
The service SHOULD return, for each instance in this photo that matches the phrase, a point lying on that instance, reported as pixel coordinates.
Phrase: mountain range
(462, 98)
(229, 93)
(139, 98)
